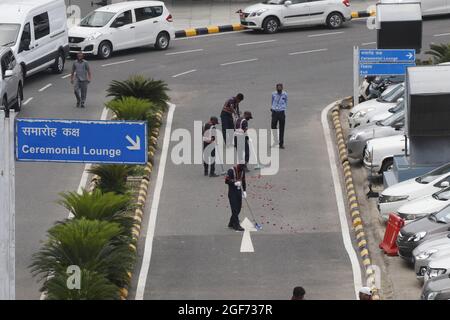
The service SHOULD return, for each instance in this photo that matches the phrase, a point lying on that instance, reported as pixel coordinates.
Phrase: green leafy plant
(439, 52)
(140, 87)
(113, 177)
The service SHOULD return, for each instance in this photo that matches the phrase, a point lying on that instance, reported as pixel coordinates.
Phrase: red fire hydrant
(393, 228)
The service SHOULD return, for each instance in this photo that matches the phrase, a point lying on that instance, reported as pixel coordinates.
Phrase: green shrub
(113, 177)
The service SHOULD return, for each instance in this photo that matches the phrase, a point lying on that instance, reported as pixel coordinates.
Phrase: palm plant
(100, 206)
(140, 87)
(88, 244)
(113, 177)
(93, 286)
(439, 52)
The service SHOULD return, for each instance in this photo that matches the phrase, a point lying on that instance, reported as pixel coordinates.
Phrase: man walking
(209, 146)
(80, 78)
(235, 179)
(241, 139)
(230, 110)
(279, 106)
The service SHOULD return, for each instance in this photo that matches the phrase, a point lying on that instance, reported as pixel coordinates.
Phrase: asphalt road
(194, 254)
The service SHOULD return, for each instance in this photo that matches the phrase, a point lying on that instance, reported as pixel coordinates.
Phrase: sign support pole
(355, 75)
(7, 207)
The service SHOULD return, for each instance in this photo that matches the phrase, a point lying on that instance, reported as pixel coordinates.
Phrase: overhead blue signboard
(384, 69)
(387, 56)
(121, 142)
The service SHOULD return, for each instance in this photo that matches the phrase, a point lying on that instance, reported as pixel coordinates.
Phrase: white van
(121, 26)
(36, 31)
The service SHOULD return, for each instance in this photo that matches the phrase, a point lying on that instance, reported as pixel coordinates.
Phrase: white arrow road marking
(246, 243)
(135, 145)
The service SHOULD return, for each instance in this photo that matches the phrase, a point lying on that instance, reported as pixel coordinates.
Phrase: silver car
(436, 247)
(11, 81)
(389, 127)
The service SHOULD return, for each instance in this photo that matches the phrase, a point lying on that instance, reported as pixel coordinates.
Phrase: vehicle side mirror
(118, 24)
(401, 99)
(288, 3)
(9, 73)
(445, 184)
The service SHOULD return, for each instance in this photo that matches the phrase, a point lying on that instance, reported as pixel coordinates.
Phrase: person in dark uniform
(209, 139)
(241, 139)
(235, 179)
(279, 106)
(230, 110)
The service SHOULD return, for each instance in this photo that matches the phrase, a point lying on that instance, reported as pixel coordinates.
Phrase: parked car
(380, 116)
(359, 136)
(429, 7)
(380, 152)
(420, 230)
(437, 288)
(437, 267)
(424, 206)
(11, 80)
(271, 15)
(121, 26)
(388, 99)
(436, 247)
(397, 195)
(36, 31)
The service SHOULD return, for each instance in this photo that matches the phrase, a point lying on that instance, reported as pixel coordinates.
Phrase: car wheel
(271, 25)
(58, 67)
(18, 104)
(388, 165)
(105, 50)
(335, 20)
(162, 41)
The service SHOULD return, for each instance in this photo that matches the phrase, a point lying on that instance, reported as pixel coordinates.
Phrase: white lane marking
(83, 183)
(118, 62)
(324, 34)
(310, 51)
(182, 52)
(256, 42)
(45, 87)
(441, 34)
(356, 268)
(183, 73)
(246, 243)
(66, 76)
(240, 61)
(27, 101)
(148, 247)
(368, 43)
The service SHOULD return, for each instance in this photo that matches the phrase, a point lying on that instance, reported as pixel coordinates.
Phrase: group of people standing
(234, 131)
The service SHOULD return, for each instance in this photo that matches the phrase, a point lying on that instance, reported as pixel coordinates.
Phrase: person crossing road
(80, 77)
(241, 139)
(235, 179)
(278, 109)
(229, 112)
(209, 147)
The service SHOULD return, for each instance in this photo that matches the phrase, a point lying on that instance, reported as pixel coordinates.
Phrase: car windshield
(430, 176)
(96, 19)
(8, 34)
(443, 216)
(395, 118)
(392, 95)
(443, 195)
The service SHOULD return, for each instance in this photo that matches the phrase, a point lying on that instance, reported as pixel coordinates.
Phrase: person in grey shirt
(80, 78)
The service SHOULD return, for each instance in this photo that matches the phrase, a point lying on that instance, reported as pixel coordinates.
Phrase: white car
(429, 7)
(272, 15)
(381, 116)
(425, 205)
(360, 113)
(399, 194)
(121, 26)
(379, 153)
(11, 81)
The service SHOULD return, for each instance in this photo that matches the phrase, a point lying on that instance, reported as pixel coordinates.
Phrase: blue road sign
(387, 56)
(122, 142)
(384, 69)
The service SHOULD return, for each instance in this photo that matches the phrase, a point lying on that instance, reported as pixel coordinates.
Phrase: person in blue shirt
(279, 106)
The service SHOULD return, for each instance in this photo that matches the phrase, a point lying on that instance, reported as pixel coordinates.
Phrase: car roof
(117, 7)
(14, 11)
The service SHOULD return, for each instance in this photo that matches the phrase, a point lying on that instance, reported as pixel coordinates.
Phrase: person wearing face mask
(235, 179)
(279, 106)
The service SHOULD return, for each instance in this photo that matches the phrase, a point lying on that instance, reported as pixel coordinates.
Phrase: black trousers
(213, 162)
(279, 117)
(227, 123)
(235, 198)
(239, 150)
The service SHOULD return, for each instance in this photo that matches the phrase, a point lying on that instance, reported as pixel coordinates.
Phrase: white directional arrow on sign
(409, 55)
(246, 244)
(135, 145)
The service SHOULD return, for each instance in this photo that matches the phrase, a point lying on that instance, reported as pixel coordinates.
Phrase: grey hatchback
(437, 288)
